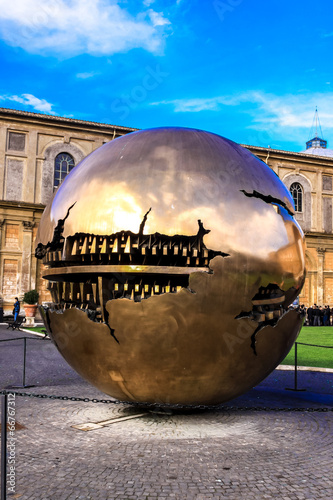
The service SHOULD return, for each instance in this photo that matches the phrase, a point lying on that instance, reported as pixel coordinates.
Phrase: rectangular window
(327, 183)
(327, 215)
(16, 141)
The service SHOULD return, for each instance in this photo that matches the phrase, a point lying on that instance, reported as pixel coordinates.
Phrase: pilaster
(26, 255)
(320, 275)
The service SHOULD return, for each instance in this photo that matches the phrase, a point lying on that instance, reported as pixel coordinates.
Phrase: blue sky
(250, 70)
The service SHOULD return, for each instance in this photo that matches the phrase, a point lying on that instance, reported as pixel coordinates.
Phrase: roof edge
(61, 119)
(283, 151)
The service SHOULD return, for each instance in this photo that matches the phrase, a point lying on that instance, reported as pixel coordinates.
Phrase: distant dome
(317, 146)
(319, 152)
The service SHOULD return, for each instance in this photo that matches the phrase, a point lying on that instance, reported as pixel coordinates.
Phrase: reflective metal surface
(172, 256)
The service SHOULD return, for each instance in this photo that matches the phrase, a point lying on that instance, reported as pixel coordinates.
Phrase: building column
(2, 226)
(2, 232)
(26, 256)
(34, 285)
(311, 289)
(320, 279)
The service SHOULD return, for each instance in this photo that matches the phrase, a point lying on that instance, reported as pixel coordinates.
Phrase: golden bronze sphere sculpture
(172, 256)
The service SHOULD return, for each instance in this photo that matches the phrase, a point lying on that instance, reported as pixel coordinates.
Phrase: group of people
(317, 315)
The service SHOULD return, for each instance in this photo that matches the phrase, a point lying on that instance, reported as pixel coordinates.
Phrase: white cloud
(286, 111)
(291, 110)
(30, 100)
(201, 103)
(84, 76)
(72, 27)
(196, 104)
(157, 18)
(269, 116)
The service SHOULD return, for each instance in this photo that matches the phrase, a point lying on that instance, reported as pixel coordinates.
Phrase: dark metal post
(24, 359)
(295, 382)
(3, 455)
(24, 365)
(295, 388)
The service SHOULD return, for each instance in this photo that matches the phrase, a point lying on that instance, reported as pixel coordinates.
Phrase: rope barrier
(10, 340)
(295, 388)
(21, 338)
(24, 354)
(314, 345)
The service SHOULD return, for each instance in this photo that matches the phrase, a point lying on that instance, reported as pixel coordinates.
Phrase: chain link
(170, 406)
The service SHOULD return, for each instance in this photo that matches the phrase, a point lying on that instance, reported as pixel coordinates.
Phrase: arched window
(63, 164)
(296, 191)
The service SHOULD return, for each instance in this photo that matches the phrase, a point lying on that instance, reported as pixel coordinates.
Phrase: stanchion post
(3, 455)
(295, 381)
(295, 388)
(24, 364)
(24, 359)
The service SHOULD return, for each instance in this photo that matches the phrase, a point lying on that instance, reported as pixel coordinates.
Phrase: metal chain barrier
(163, 405)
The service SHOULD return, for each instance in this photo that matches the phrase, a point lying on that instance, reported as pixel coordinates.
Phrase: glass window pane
(63, 164)
(296, 192)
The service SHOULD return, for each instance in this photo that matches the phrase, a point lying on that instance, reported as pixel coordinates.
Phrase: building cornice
(317, 237)
(21, 205)
(279, 154)
(97, 127)
(59, 121)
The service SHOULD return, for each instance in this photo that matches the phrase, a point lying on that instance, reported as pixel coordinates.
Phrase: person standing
(327, 313)
(16, 309)
(310, 316)
(316, 316)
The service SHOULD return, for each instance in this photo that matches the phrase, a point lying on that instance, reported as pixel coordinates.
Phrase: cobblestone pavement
(222, 453)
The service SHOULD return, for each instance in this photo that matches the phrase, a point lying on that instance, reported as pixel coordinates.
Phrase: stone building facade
(314, 176)
(37, 151)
